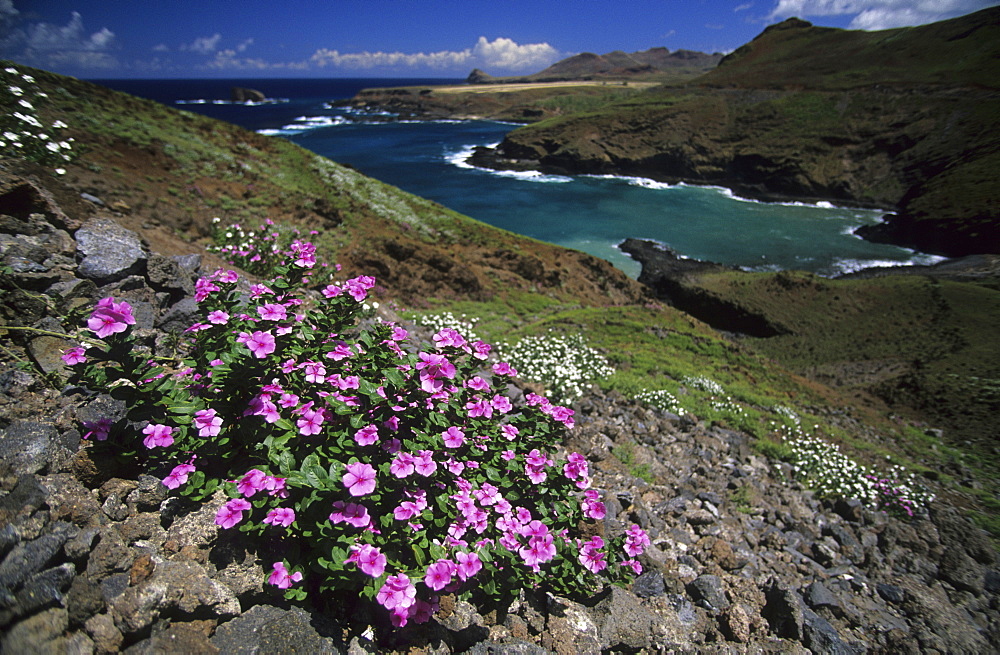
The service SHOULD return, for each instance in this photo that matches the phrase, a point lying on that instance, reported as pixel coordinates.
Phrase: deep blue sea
(588, 213)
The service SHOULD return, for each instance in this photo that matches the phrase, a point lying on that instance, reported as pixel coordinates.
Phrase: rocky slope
(901, 119)
(95, 559)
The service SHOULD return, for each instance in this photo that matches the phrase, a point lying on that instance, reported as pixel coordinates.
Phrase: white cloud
(205, 45)
(244, 45)
(160, 47)
(880, 14)
(506, 54)
(743, 7)
(56, 46)
(499, 54)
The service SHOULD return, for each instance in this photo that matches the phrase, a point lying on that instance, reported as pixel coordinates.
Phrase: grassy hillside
(169, 173)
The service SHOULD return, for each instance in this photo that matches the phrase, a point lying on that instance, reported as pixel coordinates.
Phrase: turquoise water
(592, 214)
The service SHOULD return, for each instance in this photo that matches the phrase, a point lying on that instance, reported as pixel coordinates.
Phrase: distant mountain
(618, 65)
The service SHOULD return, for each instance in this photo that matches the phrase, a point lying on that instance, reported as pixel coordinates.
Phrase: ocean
(588, 213)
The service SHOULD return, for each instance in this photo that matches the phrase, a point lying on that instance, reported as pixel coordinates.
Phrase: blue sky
(399, 38)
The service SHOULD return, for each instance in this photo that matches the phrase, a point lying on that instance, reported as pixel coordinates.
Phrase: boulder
(108, 252)
(243, 94)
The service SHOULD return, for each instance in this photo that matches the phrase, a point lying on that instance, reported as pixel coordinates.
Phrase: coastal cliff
(902, 120)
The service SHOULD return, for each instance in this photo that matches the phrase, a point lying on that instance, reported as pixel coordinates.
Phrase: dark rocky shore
(97, 560)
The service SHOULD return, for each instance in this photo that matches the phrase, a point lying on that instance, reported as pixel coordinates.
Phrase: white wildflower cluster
(726, 405)
(788, 413)
(463, 324)
(660, 399)
(702, 383)
(834, 474)
(565, 364)
(23, 134)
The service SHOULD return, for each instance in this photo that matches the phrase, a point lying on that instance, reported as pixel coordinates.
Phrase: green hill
(901, 119)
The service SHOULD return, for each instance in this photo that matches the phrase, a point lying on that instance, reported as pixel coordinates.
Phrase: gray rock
(83, 600)
(623, 621)
(109, 252)
(176, 589)
(39, 634)
(649, 584)
(268, 629)
(783, 611)
(708, 592)
(507, 647)
(44, 589)
(891, 593)
(817, 596)
(180, 316)
(28, 446)
(148, 495)
(570, 628)
(821, 637)
(107, 638)
(30, 557)
(166, 274)
(27, 494)
(961, 570)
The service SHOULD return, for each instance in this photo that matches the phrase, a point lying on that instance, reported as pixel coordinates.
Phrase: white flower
(24, 103)
(52, 146)
(16, 90)
(31, 120)
(11, 136)
(65, 145)
(60, 171)
(28, 78)
(59, 124)
(12, 71)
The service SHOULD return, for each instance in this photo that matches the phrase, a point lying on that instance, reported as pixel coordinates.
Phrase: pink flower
(178, 476)
(158, 435)
(251, 483)
(634, 565)
(403, 465)
(339, 352)
(439, 574)
(503, 368)
(354, 514)
(479, 407)
(74, 356)
(591, 557)
(510, 432)
(231, 513)
(592, 507)
(272, 312)
(99, 429)
(481, 350)
(369, 559)
(397, 592)
(315, 372)
(208, 424)
(453, 437)
(280, 577)
(261, 344)
(636, 541)
(538, 551)
(502, 404)
(469, 564)
(448, 337)
(478, 384)
(311, 422)
(359, 286)
(283, 516)
(366, 436)
(218, 317)
(110, 317)
(359, 479)
(424, 464)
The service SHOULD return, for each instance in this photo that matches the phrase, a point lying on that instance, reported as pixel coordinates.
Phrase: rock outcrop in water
(242, 94)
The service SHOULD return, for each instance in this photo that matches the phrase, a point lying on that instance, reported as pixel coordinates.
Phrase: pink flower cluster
(110, 317)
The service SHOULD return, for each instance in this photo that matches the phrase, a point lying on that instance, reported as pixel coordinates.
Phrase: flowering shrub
(265, 250)
(22, 133)
(446, 320)
(393, 468)
(661, 399)
(703, 383)
(564, 363)
(833, 474)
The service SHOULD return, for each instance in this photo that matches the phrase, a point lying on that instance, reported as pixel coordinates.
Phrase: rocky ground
(96, 560)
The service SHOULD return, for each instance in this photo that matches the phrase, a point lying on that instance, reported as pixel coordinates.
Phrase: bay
(588, 213)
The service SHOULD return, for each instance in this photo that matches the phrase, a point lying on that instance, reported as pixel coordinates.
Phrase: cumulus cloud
(160, 47)
(881, 14)
(205, 45)
(501, 53)
(55, 46)
(508, 55)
